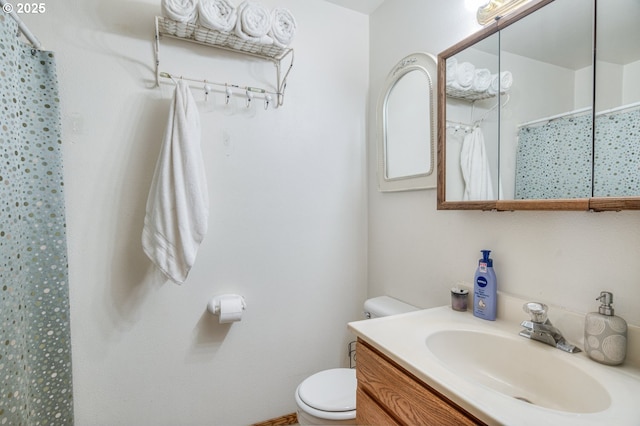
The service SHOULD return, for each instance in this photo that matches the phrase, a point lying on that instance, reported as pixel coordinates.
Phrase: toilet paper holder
(218, 304)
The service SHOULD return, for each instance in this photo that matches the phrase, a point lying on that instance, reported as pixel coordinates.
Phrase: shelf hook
(249, 97)
(207, 90)
(228, 92)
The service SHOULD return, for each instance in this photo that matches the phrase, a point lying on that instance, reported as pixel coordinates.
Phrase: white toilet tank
(384, 306)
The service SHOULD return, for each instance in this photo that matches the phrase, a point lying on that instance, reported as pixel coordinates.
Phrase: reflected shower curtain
(554, 160)
(617, 155)
(35, 352)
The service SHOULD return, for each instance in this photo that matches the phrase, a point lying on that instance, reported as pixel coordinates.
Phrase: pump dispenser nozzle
(606, 299)
(485, 258)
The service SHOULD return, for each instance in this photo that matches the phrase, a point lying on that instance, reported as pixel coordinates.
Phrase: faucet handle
(536, 310)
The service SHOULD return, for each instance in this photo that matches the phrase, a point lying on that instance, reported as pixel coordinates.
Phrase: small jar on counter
(459, 299)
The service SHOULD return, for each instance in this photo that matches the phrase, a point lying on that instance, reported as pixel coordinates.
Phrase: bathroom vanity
(389, 395)
(440, 366)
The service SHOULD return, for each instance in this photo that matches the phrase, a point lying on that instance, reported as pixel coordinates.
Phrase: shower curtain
(35, 352)
(554, 160)
(617, 161)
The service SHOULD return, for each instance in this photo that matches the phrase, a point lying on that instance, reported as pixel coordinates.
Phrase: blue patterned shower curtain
(554, 160)
(617, 155)
(35, 351)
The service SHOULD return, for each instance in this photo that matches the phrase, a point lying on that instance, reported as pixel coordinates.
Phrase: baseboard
(288, 419)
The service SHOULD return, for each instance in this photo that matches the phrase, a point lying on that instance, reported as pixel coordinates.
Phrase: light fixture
(474, 5)
(496, 9)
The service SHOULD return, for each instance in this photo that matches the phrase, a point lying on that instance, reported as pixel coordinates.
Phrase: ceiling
(617, 31)
(362, 6)
(617, 27)
(612, 47)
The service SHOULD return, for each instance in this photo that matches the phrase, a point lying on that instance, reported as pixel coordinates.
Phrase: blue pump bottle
(485, 289)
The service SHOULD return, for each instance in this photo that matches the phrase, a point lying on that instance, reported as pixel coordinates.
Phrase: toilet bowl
(329, 397)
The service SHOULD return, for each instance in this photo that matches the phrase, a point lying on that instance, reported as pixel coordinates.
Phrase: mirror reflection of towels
(474, 165)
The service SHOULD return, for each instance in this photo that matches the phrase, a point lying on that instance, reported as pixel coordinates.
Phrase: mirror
(546, 127)
(617, 107)
(407, 113)
(472, 116)
(543, 146)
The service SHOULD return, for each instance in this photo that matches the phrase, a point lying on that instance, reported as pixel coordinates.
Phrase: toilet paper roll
(231, 309)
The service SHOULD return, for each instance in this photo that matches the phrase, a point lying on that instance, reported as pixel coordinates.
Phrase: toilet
(329, 397)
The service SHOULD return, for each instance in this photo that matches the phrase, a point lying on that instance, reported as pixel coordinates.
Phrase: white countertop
(403, 339)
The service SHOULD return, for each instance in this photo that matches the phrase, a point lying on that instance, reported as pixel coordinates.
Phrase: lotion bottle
(485, 289)
(605, 334)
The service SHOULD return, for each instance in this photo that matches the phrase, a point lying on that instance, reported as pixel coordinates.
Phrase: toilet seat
(329, 394)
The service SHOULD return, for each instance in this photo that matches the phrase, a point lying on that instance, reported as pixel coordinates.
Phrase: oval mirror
(407, 125)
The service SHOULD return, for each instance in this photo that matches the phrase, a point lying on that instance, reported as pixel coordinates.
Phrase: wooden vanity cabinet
(389, 395)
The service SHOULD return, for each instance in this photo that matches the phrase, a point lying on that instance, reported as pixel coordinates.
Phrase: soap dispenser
(605, 335)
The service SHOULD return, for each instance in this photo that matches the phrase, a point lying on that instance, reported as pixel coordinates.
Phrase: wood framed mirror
(543, 145)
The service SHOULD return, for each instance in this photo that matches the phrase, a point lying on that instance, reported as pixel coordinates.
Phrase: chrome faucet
(540, 328)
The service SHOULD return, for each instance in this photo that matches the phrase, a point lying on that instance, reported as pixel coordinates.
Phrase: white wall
(631, 92)
(417, 253)
(287, 227)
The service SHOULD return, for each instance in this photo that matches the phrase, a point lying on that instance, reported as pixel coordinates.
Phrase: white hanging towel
(475, 168)
(177, 211)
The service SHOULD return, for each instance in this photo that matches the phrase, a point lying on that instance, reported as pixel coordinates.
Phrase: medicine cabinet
(562, 128)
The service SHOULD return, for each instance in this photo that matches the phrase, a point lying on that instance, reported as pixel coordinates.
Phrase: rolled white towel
(501, 82)
(254, 22)
(452, 64)
(506, 80)
(481, 80)
(219, 15)
(464, 75)
(180, 10)
(283, 27)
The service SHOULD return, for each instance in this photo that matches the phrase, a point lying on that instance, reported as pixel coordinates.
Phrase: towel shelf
(469, 95)
(197, 34)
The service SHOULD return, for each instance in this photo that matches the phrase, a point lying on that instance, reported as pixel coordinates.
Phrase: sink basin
(501, 378)
(518, 368)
